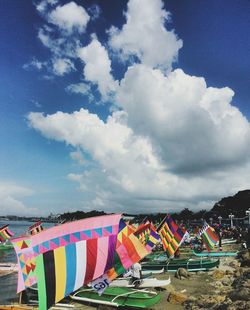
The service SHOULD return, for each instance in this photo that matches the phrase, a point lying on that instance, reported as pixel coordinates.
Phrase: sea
(8, 283)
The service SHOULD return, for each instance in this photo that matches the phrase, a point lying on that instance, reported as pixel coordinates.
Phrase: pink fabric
(102, 255)
(124, 257)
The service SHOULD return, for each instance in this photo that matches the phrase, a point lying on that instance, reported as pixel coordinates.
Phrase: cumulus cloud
(78, 156)
(69, 17)
(43, 5)
(11, 196)
(35, 64)
(193, 127)
(94, 11)
(144, 35)
(171, 141)
(97, 66)
(80, 88)
(61, 66)
(129, 165)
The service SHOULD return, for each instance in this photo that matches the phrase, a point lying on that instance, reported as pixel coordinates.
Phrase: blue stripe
(70, 251)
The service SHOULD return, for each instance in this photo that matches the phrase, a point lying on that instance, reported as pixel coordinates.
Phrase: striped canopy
(5, 233)
(63, 258)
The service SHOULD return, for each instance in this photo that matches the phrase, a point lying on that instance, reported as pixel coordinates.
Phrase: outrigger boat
(147, 282)
(228, 241)
(215, 254)
(189, 264)
(8, 267)
(118, 297)
(6, 246)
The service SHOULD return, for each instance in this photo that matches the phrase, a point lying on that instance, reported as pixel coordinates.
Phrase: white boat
(228, 241)
(148, 272)
(8, 267)
(147, 282)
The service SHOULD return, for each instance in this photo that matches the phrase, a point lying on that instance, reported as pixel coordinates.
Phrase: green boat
(118, 297)
(6, 246)
(190, 264)
(215, 254)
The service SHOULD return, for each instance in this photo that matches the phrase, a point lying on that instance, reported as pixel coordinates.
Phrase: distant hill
(237, 204)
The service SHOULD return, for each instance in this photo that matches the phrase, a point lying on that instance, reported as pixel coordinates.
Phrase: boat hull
(119, 296)
(191, 265)
(151, 282)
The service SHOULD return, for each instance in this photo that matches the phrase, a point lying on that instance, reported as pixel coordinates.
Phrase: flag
(148, 235)
(171, 235)
(5, 233)
(128, 251)
(35, 228)
(63, 258)
(208, 236)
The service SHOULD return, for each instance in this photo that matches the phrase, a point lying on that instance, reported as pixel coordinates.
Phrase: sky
(123, 106)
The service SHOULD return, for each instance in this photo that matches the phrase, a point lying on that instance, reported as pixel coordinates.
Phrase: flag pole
(158, 227)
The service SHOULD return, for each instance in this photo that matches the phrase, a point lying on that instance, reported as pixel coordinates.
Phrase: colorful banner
(5, 233)
(171, 235)
(208, 236)
(63, 258)
(35, 228)
(129, 250)
(148, 235)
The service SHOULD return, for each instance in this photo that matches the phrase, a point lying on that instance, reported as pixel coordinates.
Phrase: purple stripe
(111, 252)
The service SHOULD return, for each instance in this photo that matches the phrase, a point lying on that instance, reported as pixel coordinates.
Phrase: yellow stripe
(60, 270)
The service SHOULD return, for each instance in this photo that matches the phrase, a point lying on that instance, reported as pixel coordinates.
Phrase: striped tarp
(129, 250)
(171, 235)
(208, 236)
(36, 228)
(148, 235)
(63, 258)
(5, 233)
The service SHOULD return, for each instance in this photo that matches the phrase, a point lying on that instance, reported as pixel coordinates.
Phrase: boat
(147, 282)
(16, 306)
(8, 267)
(118, 296)
(150, 272)
(172, 265)
(6, 246)
(215, 254)
(228, 241)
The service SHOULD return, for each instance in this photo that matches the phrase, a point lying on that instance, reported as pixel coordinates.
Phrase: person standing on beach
(136, 274)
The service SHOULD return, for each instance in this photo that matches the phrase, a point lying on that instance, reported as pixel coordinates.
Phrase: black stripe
(50, 280)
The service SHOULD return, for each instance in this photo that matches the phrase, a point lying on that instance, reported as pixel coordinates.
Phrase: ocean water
(8, 283)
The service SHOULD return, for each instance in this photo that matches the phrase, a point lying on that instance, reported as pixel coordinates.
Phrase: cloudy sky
(124, 106)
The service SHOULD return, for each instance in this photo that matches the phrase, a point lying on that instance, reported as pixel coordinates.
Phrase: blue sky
(123, 106)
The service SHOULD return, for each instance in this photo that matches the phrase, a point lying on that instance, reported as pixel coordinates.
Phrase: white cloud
(173, 143)
(97, 66)
(61, 66)
(78, 156)
(130, 170)
(69, 17)
(94, 11)
(192, 126)
(11, 196)
(144, 35)
(35, 64)
(80, 88)
(43, 5)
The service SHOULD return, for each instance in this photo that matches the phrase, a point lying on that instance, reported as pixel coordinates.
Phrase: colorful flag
(5, 233)
(35, 228)
(63, 258)
(129, 250)
(171, 235)
(208, 236)
(148, 235)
